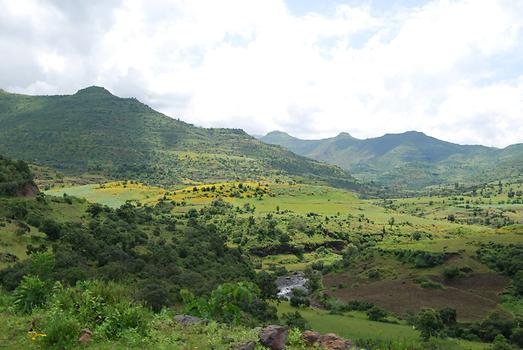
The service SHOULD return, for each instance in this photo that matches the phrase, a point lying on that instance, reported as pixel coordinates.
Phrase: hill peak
(94, 90)
(277, 133)
(344, 135)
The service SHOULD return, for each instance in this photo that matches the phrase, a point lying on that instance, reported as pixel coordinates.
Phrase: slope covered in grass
(95, 131)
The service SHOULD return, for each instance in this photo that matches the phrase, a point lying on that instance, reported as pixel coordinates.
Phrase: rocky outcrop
(274, 337)
(27, 190)
(86, 336)
(329, 341)
(189, 320)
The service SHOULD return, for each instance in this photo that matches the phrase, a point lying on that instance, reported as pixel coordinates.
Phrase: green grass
(113, 195)
(355, 325)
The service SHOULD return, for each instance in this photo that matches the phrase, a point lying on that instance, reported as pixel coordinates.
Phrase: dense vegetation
(15, 177)
(409, 160)
(94, 131)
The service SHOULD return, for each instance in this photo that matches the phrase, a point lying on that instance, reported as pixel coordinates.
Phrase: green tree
(429, 323)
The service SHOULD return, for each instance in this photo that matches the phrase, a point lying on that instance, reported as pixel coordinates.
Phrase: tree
(448, 316)
(294, 320)
(429, 323)
(376, 314)
(517, 282)
(391, 221)
(52, 229)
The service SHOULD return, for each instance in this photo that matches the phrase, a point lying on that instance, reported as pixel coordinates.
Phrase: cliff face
(28, 190)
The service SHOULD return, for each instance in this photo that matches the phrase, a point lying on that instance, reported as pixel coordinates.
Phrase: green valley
(140, 219)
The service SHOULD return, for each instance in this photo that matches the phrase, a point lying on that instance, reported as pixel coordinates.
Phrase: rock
(331, 341)
(247, 346)
(311, 337)
(274, 337)
(189, 320)
(86, 336)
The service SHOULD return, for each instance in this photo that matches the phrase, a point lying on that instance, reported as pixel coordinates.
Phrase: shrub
(357, 305)
(373, 274)
(61, 331)
(517, 282)
(496, 323)
(376, 314)
(31, 293)
(517, 337)
(298, 301)
(155, 295)
(294, 320)
(500, 343)
(451, 272)
(429, 323)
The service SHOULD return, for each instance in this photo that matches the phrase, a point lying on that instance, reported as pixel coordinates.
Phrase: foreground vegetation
(122, 258)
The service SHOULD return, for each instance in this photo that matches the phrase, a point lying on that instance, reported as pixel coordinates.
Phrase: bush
(429, 323)
(356, 305)
(62, 331)
(155, 295)
(500, 343)
(294, 320)
(451, 272)
(517, 282)
(31, 293)
(495, 324)
(299, 301)
(517, 337)
(376, 314)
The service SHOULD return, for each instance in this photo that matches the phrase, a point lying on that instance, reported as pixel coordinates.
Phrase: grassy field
(355, 325)
(333, 214)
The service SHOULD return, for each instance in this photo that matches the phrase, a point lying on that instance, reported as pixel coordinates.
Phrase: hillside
(411, 159)
(94, 131)
(15, 178)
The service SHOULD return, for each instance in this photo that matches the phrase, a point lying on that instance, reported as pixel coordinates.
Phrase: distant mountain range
(410, 160)
(95, 131)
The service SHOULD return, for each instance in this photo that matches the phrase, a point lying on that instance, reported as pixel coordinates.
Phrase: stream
(288, 282)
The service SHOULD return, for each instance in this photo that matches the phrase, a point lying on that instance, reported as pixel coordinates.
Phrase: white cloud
(437, 67)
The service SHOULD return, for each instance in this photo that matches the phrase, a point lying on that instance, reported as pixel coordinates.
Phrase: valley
(116, 231)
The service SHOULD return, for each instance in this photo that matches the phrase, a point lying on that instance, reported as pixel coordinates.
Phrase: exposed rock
(274, 337)
(331, 341)
(189, 320)
(247, 346)
(28, 190)
(86, 336)
(311, 337)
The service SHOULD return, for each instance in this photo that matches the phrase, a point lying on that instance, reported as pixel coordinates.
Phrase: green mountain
(95, 131)
(411, 159)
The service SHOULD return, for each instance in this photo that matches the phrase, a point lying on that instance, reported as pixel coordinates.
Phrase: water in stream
(287, 283)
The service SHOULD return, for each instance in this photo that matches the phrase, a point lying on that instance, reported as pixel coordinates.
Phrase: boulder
(311, 337)
(189, 320)
(86, 336)
(274, 337)
(331, 341)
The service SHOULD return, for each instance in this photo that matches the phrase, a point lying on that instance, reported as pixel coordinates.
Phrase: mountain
(411, 159)
(95, 131)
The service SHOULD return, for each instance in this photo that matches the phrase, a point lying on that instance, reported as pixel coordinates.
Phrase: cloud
(438, 66)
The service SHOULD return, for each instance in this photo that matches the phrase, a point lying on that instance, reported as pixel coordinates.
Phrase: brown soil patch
(473, 297)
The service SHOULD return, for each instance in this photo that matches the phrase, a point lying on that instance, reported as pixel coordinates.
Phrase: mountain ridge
(96, 131)
(410, 159)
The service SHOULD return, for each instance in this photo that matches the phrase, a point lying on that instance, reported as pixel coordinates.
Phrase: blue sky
(450, 68)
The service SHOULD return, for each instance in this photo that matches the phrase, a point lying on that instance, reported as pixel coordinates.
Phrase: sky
(451, 69)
